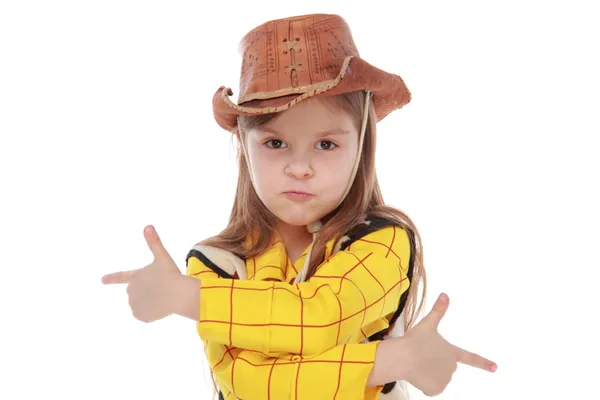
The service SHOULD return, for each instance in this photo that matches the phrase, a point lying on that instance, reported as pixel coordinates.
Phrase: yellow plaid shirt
(267, 338)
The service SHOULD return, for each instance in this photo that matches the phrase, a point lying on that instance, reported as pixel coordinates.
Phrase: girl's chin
(302, 219)
(299, 214)
(295, 221)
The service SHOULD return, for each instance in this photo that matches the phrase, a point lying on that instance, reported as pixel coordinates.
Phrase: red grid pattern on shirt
(269, 381)
(267, 267)
(303, 361)
(278, 362)
(273, 363)
(305, 298)
(226, 352)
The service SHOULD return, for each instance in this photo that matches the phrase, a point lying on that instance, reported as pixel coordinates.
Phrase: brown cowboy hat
(289, 60)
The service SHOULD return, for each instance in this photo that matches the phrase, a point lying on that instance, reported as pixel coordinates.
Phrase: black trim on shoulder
(388, 387)
(200, 256)
(370, 225)
(380, 335)
(403, 298)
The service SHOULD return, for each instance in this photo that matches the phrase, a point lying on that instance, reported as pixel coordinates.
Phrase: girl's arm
(341, 372)
(421, 357)
(350, 290)
(346, 371)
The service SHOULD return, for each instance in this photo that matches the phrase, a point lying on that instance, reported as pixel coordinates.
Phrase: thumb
(154, 243)
(439, 310)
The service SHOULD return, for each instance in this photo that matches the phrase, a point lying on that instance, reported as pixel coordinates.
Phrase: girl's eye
(275, 144)
(327, 145)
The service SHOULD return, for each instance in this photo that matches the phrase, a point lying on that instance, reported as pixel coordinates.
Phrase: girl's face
(301, 160)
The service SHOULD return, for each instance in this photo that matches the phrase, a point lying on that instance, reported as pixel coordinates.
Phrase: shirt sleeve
(350, 290)
(339, 373)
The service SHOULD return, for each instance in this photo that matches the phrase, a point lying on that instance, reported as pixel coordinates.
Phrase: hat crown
(283, 56)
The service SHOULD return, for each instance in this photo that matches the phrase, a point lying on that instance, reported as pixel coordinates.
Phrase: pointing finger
(474, 360)
(118, 277)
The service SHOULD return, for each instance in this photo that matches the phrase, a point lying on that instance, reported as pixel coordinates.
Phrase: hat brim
(389, 93)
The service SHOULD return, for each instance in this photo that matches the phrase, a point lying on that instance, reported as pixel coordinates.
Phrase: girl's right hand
(428, 359)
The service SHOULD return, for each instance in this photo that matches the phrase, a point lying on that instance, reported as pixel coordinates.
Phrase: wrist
(403, 367)
(392, 362)
(185, 296)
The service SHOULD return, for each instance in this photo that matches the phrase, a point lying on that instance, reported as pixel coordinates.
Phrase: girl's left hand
(150, 289)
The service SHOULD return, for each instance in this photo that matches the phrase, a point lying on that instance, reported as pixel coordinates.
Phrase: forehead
(314, 115)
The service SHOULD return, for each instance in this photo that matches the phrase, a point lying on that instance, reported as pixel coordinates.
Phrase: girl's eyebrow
(333, 131)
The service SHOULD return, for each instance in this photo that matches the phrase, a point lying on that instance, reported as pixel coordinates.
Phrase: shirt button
(296, 358)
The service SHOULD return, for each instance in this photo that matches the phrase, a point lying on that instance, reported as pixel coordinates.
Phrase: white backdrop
(106, 126)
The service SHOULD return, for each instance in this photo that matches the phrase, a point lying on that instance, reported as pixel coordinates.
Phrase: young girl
(299, 295)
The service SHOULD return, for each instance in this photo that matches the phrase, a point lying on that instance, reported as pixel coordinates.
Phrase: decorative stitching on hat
(290, 43)
(292, 90)
(314, 89)
(297, 67)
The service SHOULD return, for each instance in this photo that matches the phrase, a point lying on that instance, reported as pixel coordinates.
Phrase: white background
(106, 126)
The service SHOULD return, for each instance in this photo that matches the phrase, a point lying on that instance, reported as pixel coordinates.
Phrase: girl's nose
(299, 169)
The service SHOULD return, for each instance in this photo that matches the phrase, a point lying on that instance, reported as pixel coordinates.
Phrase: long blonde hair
(250, 215)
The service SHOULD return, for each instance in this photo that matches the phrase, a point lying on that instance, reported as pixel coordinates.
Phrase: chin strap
(312, 228)
(316, 226)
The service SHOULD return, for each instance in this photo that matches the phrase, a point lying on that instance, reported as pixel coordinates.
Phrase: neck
(295, 239)
(293, 233)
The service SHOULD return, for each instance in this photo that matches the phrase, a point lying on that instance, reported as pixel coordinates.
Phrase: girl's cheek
(341, 161)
